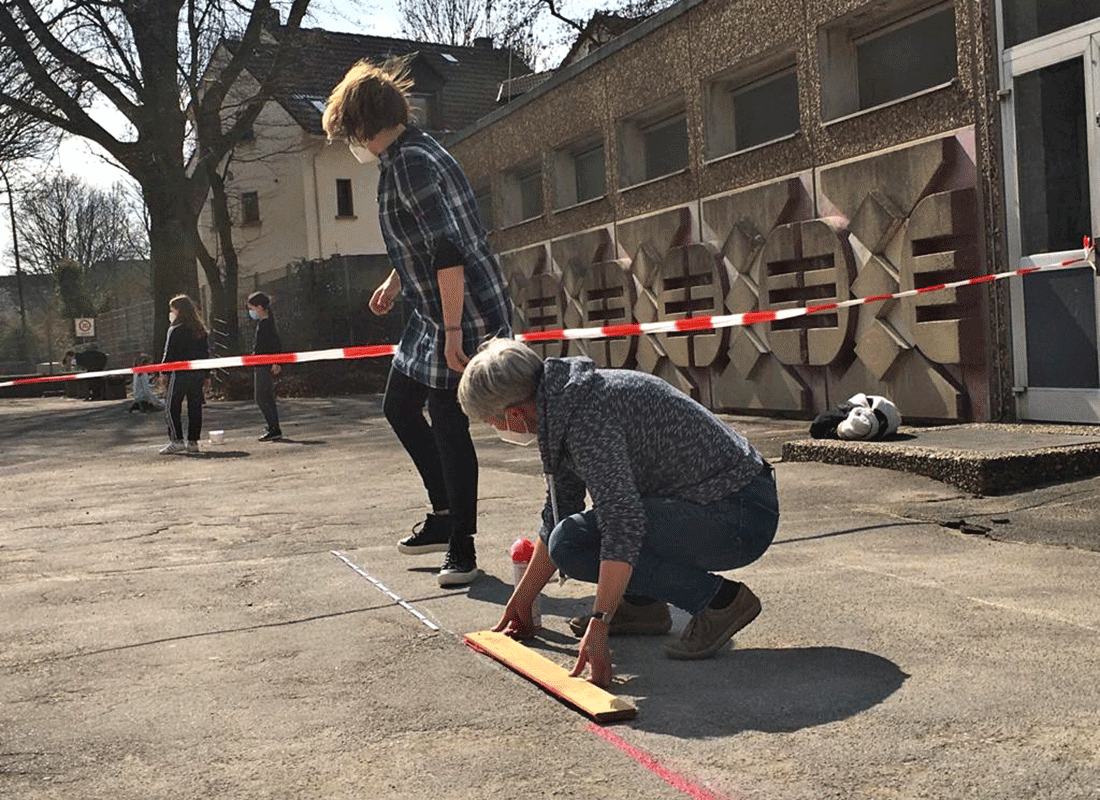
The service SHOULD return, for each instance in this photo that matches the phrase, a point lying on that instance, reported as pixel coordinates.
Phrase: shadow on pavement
(769, 690)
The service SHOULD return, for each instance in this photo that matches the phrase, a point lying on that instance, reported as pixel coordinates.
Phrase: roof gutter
(639, 31)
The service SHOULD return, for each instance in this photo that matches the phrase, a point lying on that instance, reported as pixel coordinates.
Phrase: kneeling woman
(676, 496)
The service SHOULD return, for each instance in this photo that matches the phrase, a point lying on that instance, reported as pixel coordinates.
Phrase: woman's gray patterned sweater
(624, 436)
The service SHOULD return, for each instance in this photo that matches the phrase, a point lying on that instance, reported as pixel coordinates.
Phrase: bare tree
(64, 218)
(509, 23)
(21, 137)
(146, 59)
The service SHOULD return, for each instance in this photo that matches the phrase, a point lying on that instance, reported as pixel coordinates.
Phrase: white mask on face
(516, 437)
(253, 314)
(171, 317)
(362, 153)
(518, 425)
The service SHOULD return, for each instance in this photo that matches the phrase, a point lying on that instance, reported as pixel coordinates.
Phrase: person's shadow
(774, 690)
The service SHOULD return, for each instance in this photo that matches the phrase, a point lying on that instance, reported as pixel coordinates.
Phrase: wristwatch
(603, 616)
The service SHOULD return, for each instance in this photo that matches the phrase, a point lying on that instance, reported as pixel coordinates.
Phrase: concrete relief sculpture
(888, 222)
(656, 246)
(752, 376)
(912, 215)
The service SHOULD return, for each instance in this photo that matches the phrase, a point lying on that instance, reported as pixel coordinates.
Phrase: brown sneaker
(711, 628)
(652, 619)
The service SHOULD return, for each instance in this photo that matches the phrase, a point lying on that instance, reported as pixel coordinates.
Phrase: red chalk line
(673, 779)
(686, 324)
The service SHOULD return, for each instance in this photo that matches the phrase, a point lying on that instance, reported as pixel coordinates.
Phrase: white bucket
(217, 437)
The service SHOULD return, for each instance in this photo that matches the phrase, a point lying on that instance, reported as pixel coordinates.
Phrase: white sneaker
(192, 447)
(173, 449)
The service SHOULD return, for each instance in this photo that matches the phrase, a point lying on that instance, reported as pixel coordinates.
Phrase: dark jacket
(182, 345)
(623, 436)
(267, 338)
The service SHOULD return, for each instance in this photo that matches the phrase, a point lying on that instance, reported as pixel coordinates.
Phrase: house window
(484, 199)
(522, 188)
(745, 113)
(421, 107)
(1024, 20)
(579, 174)
(653, 146)
(877, 61)
(250, 208)
(345, 203)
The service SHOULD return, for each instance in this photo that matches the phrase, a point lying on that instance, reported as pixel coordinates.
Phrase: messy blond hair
(371, 98)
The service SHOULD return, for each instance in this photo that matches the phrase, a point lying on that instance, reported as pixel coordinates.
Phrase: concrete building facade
(739, 155)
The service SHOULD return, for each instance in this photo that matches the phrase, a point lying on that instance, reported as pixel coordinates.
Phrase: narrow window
(666, 146)
(484, 200)
(588, 170)
(530, 194)
(250, 207)
(345, 204)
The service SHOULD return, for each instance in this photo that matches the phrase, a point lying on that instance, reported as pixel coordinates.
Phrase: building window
(580, 174)
(868, 62)
(484, 199)
(522, 193)
(1024, 20)
(345, 203)
(744, 113)
(653, 146)
(421, 106)
(250, 208)
(530, 193)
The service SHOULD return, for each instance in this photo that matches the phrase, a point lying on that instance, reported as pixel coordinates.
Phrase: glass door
(1053, 161)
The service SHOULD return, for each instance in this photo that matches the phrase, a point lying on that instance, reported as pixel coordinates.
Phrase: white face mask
(516, 437)
(517, 425)
(171, 317)
(362, 153)
(253, 314)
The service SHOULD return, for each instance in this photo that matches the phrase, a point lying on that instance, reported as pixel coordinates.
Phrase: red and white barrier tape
(1069, 260)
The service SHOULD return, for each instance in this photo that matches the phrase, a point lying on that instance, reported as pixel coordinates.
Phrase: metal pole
(18, 265)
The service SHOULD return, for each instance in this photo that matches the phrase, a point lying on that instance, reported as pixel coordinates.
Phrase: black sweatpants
(184, 384)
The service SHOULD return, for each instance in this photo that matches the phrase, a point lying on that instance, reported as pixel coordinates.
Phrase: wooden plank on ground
(591, 699)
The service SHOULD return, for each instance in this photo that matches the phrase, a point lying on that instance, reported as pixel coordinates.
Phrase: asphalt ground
(179, 627)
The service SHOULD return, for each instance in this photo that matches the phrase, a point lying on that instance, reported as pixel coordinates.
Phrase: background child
(186, 341)
(267, 342)
(145, 399)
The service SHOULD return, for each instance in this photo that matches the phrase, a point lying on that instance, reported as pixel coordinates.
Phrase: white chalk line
(384, 590)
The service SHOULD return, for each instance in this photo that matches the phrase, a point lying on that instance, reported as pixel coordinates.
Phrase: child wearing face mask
(453, 290)
(186, 341)
(267, 342)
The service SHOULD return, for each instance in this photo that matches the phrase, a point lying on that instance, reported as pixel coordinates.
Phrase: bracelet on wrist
(451, 328)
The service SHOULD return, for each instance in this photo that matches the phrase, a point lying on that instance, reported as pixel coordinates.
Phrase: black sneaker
(433, 535)
(460, 563)
(271, 436)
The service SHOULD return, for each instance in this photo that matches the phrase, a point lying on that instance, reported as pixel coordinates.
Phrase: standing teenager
(452, 285)
(267, 342)
(186, 341)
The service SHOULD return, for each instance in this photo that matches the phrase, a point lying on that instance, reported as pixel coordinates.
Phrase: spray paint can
(522, 552)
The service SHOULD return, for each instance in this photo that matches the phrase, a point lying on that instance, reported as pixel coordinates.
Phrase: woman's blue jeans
(685, 542)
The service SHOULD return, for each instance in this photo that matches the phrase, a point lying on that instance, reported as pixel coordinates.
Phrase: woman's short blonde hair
(504, 372)
(371, 98)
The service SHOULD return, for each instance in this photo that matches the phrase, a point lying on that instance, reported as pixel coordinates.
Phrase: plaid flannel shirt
(426, 206)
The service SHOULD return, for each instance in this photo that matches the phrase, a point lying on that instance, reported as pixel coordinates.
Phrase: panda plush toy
(862, 417)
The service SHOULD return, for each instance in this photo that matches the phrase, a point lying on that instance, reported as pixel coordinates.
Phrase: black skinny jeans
(442, 451)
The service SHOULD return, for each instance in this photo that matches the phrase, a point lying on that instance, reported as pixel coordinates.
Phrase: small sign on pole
(85, 326)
